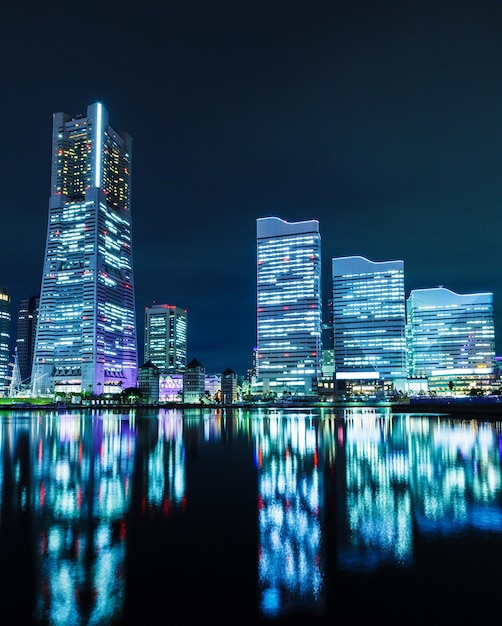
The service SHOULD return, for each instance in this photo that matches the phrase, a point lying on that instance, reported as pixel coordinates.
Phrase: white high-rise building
(450, 334)
(166, 337)
(86, 330)
(288, 306)
(369, 319)
(5, 321)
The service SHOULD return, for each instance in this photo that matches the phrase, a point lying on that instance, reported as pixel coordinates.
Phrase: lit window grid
(288, 275)
(449, 336)
(369, 321)
(166, 337)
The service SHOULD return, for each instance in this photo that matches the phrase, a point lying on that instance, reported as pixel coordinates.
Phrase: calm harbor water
(240, 516)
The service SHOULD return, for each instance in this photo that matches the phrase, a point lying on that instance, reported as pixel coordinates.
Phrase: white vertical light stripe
(99, 137)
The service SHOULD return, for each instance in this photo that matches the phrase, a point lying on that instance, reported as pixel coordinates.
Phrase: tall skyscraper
(166, 337)
(86, 331)
(25, 339)
(369, 319)
(289, 305)
(450, 333)
(5, 317)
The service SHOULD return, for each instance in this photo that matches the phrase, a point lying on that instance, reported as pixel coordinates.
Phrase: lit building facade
(5, 317)
(229, 386)
(166, 337)
(86, 330)
(170, 387)
(194, 382)
(289, 305)
(450, 337)
(369, 321)
(25, 337)
(148, 382)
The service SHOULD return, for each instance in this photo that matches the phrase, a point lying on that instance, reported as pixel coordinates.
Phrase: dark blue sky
(380, 119)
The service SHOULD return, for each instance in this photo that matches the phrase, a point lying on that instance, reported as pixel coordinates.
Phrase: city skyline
(382, 123)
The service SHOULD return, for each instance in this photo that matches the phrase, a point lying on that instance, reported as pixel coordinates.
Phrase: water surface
(249, 516)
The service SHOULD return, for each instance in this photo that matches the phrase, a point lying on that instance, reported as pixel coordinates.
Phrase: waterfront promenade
(484, 407)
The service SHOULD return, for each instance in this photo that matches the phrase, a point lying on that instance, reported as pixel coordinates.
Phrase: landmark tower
(86, 329)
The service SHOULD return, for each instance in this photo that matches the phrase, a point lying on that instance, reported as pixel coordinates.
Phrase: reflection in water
(376, 495)
(456, 479)
(82, 473)
(290, 568)
(74, 485)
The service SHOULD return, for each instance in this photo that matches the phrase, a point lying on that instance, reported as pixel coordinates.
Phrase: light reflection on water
(329, 495)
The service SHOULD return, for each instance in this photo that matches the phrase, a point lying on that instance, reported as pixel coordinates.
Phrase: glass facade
(166, 337)
(25, 339)
(5, 316)
(368, 319)
(86, 330)
(288, 306)
(450, 334)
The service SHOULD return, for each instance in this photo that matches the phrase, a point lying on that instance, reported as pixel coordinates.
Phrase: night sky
(383, 120)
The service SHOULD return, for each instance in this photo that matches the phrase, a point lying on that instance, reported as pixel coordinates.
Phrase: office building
(148, 382)
(451, 337)
(25, 337)
(5, 317)
(229, 386)
(86, 330)
(288, 306)
(369, 323)
(194, 382)
(166, 337)
(170, 387)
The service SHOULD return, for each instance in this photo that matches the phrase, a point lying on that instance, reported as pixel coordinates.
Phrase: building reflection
(290, 566)
(327, 493)
(77, 482)
(375, 525)
(456, 478)
(399, 476)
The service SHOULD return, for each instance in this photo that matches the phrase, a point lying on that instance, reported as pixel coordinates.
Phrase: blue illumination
(271, 602)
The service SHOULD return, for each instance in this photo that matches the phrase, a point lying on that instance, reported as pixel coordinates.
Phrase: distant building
(451, 339)
(170, 387)
(5, 328)
(25, 339)
(288, 306)
(194, 382)
(369, 319)
(328, 340)
(251, 371)
(166, 337)
(212, 387)
(228, 386)
(86, 331)
(328, 362)
(148, 382)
